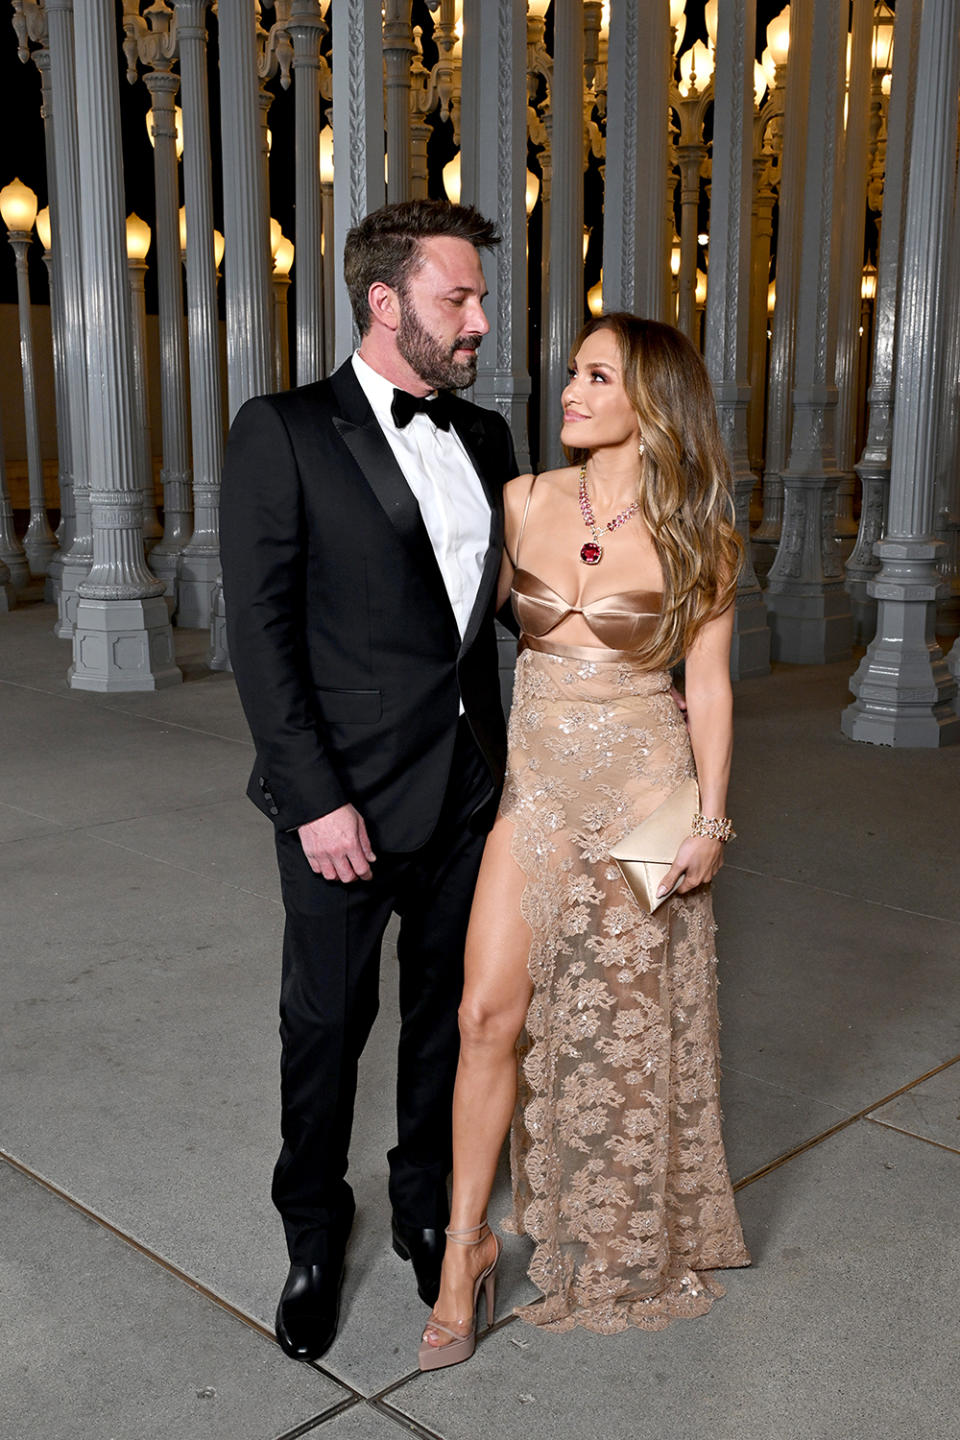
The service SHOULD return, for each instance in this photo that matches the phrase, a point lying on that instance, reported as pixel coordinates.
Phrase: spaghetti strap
(523, 522)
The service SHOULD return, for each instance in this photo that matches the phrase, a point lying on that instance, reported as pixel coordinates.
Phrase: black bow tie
(404, 406)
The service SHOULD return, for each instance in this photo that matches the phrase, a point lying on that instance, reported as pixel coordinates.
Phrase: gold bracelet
(715, 829)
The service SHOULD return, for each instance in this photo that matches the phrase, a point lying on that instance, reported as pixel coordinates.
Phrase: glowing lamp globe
(138, 238)
(326, 156)
(43, 227)
(283, 257)
(18, 206)
(778, 36)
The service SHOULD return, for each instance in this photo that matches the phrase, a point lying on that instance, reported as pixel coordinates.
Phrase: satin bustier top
(620, 622)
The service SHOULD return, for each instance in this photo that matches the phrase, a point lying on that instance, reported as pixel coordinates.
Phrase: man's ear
(384, 304)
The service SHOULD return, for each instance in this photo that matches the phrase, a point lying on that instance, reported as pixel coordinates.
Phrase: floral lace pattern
(619, 1171)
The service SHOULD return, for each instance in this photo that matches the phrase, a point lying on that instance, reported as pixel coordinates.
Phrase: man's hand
(337, 847)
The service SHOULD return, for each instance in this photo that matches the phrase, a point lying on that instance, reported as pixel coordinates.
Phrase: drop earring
(641, 447)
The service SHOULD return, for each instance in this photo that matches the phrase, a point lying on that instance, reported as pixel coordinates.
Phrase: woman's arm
(710, 720)
(515, 494)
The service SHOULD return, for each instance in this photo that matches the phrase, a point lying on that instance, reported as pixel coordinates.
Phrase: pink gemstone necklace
(591, 553)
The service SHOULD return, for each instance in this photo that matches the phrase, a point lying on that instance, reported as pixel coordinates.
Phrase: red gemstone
(590, 553)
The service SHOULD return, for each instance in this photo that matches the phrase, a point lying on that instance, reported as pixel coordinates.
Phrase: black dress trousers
(329, 1000)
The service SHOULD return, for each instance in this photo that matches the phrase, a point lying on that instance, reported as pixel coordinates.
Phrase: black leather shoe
(309, 1309)
(425, 1248)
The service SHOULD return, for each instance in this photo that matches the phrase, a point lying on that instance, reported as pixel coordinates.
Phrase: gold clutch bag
(646, 854)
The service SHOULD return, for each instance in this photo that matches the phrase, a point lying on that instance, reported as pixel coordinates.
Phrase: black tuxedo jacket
(347, 656)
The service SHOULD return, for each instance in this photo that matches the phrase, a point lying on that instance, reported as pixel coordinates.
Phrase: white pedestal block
(811, 628)
(905, 693)
(219, 649)
(198, 576)
(121, 645)
(750, 648)
(74, 573)
(165, 564)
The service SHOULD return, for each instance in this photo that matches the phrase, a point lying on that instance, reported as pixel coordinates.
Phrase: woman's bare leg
(496, 996)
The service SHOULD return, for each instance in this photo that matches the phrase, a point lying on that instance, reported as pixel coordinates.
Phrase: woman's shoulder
(516, 491)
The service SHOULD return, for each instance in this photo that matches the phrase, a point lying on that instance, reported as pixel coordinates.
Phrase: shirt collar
(377, 388)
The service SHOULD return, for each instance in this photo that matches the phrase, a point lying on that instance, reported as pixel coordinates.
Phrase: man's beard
(432, 360)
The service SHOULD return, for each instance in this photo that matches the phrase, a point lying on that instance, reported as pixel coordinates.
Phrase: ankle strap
(455, 1235)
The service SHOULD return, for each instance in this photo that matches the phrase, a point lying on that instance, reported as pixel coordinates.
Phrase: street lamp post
(283, 253)
(326, 240)
(138, 244)
(18, 207)
(690, 99)
(14, 570)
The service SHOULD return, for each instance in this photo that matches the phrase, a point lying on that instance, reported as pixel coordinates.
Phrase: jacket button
(274, 810)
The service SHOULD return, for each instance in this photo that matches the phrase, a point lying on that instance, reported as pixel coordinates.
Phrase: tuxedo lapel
(358, 428)
(470, 427)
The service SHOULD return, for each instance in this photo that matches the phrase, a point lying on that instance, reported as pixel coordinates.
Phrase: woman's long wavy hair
(685, 487)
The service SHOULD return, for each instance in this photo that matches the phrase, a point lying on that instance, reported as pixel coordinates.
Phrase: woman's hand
(697, 861)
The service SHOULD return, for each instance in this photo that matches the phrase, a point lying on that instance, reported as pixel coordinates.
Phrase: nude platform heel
(461, 1347)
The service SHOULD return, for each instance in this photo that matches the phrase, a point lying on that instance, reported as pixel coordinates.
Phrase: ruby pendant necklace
(591, 552)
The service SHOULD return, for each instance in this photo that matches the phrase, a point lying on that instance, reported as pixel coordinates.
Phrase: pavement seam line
(912, 1135)
(19, 810)
(783, 1090)
(839, 894)
(413, 1427)
(87, 826)
(187, 869)
(308, 1427)
(843, 1125)
(196, 1285)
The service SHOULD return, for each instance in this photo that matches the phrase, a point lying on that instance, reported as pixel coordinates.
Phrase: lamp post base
(219, 650)
(750, 651)
(122, 645)
(198, 575)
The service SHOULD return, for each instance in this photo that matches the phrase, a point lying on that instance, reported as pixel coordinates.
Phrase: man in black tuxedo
(361, 534)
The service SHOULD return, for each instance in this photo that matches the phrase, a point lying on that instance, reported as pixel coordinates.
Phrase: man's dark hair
(385, 246)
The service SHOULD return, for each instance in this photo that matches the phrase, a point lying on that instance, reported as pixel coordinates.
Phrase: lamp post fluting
(122, 640)
(768, 144)
(563, 315)
(634, 250)
(398, 51)
(904, 692)
(66, 529)
(175, 475)
(358, 183)
(807, 604)
(78, 558)
(200, 559)
(873, 466)
(851, 240)
(307, 27)
(727, 310)
(498, 187)
(690, 99)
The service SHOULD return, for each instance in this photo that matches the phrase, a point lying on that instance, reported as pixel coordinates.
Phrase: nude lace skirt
(619, 1171)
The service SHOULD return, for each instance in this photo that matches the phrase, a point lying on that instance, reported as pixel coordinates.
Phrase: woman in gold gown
(619, 566)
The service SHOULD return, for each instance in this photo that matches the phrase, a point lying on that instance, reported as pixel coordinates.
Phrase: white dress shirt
(436, 466)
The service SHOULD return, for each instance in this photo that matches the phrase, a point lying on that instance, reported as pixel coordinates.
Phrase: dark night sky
(24, 153)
